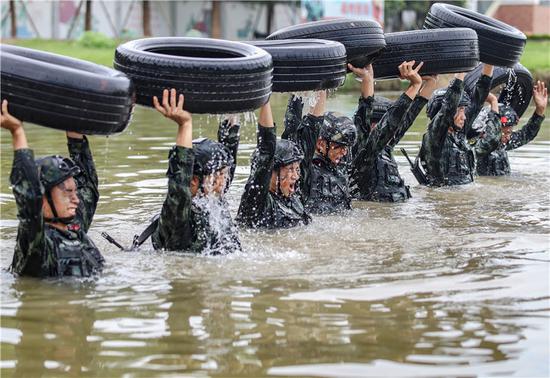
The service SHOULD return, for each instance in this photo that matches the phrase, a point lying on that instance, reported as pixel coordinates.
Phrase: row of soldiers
(323, 161)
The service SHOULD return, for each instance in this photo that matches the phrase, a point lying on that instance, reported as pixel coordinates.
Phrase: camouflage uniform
(324, 186)
(260, 208)
(492, 155)
(196, 224)
(42, 250)
(446, 157)
(375, 176)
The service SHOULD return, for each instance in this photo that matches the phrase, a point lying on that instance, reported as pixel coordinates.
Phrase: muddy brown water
(454, 282)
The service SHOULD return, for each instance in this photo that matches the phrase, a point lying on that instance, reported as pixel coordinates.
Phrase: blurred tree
(13, 19)
(88, 16)
(146, 18)
(394, 10)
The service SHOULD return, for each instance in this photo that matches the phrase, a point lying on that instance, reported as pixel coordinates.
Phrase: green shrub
(96, 40)
(539, 37)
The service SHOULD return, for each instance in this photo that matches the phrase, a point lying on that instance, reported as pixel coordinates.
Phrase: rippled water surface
(453, 283)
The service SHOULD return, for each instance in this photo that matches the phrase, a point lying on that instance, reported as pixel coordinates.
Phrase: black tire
(516, 93)
(441, 50)
(363, 39)
(305, 65)
(65, 93)
(215, 76)
(499, 44)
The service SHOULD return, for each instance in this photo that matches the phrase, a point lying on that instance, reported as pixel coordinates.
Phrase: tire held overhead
(65, 93)
(216, 76)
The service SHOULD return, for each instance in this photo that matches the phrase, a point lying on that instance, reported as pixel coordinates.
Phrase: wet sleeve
(307, 135)
(481, 91)
(527, 132)
(491, 140)
(28, 193)
(293, 117)
(229, 136)
(87, 181)
(362, 118)
(389, 124)
(444, 119)
(410, 116)
(174, 230)
(254, 198)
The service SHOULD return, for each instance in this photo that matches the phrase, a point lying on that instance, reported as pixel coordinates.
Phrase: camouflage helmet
(55, 169)
(338, 129)
(286, 152)
(508, 116)
(380, 106)
(435, 102)
(210, 156)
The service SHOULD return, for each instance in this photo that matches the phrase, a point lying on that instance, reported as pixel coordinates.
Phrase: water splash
(220, 234)
(507, 92)
(309, 98)
(480, 123)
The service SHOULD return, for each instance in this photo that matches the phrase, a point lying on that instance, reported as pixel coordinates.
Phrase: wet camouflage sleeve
(293, 117)
(491, 140)
(527, 132)
(362, 120)
(439, 125)
(307, 134)
(28, 192)
(410, 116)
(365, 159)
(87, 182)
(254, 198)
(174, 230)
(229, 136)
(481, 91)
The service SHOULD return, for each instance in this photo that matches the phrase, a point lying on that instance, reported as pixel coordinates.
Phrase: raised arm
(531, 129)
(293, 117)
(421, 99)
(27, 191)
(491, 139)
(254, 198)
(229, 136)
(393, 118)
(363, 114)
(174, 230)
(483, 86)
(445, 117)
(308, 130)
(86, 180)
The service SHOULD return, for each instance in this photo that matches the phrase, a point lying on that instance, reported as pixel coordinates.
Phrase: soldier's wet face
(460, 117)
(215, 183)
(336, 152)
(287, 178)
(506, 134)
(65, 199)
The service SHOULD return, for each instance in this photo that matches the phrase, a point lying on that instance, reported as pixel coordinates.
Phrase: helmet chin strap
(56, 218)
(279, 191)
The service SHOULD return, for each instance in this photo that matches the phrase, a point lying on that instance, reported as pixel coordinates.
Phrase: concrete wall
(123, 18)
(239, 20)
(529, 18)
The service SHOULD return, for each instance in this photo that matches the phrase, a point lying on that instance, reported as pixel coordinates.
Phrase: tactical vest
(457, 160)
(286, 212)
(384, 183)
(494, 164)
(74, 253)
(329, 191)
(214, 232)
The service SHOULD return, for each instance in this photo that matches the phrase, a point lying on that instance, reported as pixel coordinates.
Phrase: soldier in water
(56, 200)
(492, 149)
